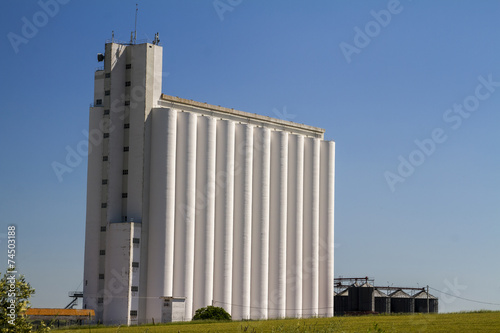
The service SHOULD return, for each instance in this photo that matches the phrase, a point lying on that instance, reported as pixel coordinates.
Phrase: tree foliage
(211, 312)
(15, 292)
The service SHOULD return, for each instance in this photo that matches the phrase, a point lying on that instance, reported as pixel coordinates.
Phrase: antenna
(135, 28)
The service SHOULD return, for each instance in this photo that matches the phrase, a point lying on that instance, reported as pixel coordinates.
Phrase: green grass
(480, 321)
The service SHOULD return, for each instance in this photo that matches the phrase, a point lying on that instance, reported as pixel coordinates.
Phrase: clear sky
(409, 91)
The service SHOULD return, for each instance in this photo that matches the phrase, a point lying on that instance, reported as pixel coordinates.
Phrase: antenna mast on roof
(135, 28)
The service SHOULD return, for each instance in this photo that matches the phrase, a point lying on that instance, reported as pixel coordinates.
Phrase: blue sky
(435, 222)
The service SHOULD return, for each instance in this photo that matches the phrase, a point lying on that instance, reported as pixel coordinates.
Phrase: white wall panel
(311, 228)
(277, 224)
(260, 223)
(224, 201)
(93, 220)
(326, 218)
(185, 209)
(242, 221)
(205, 213)
(162, 210)
(295, 225)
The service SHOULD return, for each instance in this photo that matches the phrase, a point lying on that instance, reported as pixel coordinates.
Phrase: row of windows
(108, 75)
(98, 101)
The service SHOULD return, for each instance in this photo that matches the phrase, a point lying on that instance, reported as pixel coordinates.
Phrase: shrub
(212, 313)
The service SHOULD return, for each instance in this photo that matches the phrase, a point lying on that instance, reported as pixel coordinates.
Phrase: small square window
(135, 240)
(98, 102)
(124, 195)
(125, 172)
(106, 112)
(105, 158)
(100, 300)
(105, 135)
(133, 313)
(107, 75)
(134, 288)
(128, 66)
(104, 182)
(127, 102)
(125, 148)
(104, 205)
(135, 264)
(103, 228)
(127, 84)
(127, 125)
(101, 276)
(106, 93)
(102, 252)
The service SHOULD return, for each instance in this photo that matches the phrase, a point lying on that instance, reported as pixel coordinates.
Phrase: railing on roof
(135, 42)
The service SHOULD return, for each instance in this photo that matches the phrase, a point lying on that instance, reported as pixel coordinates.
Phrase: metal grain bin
(340, 302)
(420, 300)
(401, 302)
(382, 302)
(360, 298)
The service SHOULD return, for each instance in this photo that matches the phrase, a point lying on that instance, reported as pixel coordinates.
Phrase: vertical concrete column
(311, 228)
(205, 213)
(277, 224)
(162, 210)
(185, 209)
(242, 221)
(260, 223)
(224, 204)
(295, 225)
(326, 240)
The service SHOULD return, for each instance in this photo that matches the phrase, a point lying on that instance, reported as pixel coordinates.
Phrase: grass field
(483, 321)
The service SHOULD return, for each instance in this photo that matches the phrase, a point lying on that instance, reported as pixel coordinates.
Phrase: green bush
(212, 313)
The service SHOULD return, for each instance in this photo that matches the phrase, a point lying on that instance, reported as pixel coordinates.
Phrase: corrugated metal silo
(382, 302)
(420, 300)
(360, 298)
(341, 302)
(401, 302)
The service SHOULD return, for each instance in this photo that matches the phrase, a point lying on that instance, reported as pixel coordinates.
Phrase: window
(124, 195)
(127, 84)
(100, 300)
(135, 264)
(133, 313)
(104, 182)
(125, 172)
(127, 125)
(101, 276)
(103, 228)
(104, 205)
(105, 158)
(128, 66)
(135, 240)
(98, 102)
(106, 93)
(127, 102)
(105, 135)
(125, 148)
(107, 75)
(134, 288)
(102, 252)
(106, 112)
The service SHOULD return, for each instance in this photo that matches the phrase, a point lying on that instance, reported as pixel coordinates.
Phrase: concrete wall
(236, 209)
(233, 208)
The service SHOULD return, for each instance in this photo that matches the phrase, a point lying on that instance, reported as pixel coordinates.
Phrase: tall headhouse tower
(201, 203)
